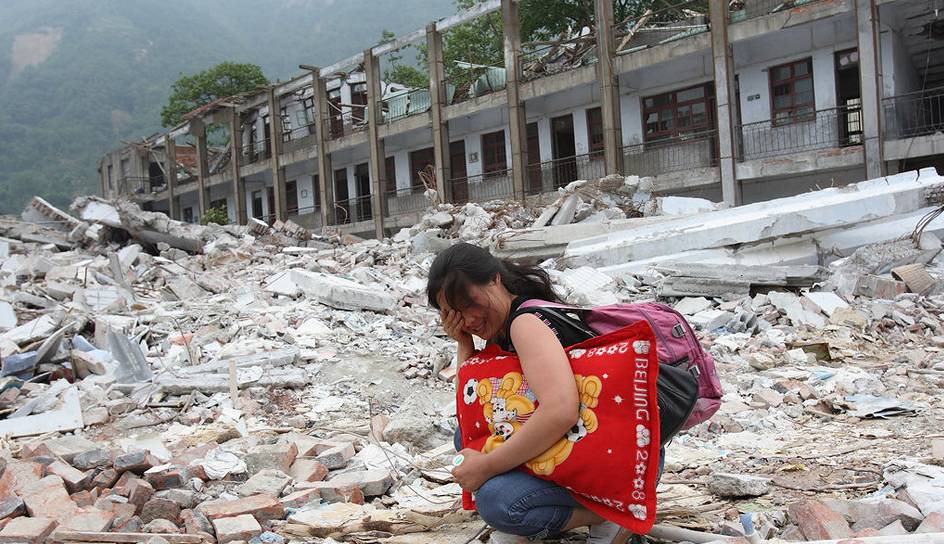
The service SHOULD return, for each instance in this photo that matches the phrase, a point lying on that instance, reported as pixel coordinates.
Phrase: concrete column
(239, 186)
(278, 174)
(198, 128)
(516, 114)
(871, 86)
(170, 170)
(437, 95)
(609, 87)
(723, 63)
(374, 118)
(325, 181)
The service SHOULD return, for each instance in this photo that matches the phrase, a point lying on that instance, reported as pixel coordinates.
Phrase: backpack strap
(569, 330)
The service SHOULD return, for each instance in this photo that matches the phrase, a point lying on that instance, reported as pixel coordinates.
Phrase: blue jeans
(520, 504)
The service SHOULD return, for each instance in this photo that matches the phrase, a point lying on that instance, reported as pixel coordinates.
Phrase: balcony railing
(346, 123)
(550, 175)
(134, 185)
(254, 152)
(914, 114)
(821, 129)
(406, 200)
(353, 210)
(405, 104)
(482, 187)
(750, 9)
(471, 81)
(298, 133)
(685, 152)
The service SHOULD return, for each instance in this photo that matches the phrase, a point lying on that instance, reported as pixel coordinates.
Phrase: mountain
(78, 77)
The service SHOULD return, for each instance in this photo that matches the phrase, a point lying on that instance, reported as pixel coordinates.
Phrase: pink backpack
(676, 344)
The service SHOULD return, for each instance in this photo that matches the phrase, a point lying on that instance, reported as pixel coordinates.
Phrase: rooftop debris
(166, 382)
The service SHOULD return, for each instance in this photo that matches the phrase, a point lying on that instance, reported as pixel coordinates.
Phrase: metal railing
(541, 60)
(134, 185)
(482, 187)
(473, 81)
(353, 210)
(405, 104)
(253, 152)
(820, 129)
(298, 133)
(346, 123)
(406, 200)
(688, 151)
(550, 175)
(914, 114)
(744, 10)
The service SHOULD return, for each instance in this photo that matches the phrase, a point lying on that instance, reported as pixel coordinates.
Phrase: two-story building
(753, 100)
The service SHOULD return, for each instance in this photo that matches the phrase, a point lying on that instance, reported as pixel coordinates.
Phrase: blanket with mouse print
(609, 460)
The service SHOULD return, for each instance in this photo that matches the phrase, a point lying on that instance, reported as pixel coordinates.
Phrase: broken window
(677, 114)
(125, 168)
(595, 131)
(187, 215)
(286, 124)
(493, 154)
(419, 161)
(359, 101)
(791, 92)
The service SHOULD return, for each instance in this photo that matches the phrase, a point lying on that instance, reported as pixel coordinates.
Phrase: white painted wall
(899, 75)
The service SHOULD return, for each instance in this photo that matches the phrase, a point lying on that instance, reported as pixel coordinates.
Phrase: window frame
(675, 132)
(496, 165)
(792, 115)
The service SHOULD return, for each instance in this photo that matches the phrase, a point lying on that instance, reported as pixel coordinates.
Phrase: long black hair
(463, 265)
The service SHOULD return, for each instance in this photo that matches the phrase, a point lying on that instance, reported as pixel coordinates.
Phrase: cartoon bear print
(589, 389)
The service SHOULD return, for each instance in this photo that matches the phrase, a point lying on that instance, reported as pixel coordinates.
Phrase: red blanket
(609, 460)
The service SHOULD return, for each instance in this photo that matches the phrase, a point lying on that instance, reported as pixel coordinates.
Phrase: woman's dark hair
(464, 265)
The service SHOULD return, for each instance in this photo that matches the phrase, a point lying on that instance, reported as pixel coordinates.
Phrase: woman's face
(487, 311)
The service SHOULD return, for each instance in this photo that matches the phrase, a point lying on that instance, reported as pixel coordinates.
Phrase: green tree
(224, 79)
(404, 74)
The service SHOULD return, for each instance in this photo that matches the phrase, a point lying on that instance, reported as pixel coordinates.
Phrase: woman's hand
(452, 323)
(474, 470)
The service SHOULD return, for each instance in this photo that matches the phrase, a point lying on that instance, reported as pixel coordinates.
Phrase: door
(849, 97)
(270, 196)
(534, 160)
(364, 210)
(155, 176)
(565, 150)
(257, 204)
(335, 114)
(342, 206)
(268, 141)
(458, 172)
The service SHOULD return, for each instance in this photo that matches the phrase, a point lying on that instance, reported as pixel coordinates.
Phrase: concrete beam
(516, 114)
(278, 173)
(349, 62)
(399, 43)
(870, 77)
(609, 87)
(478, 10)
(325, 182)
(800, 163)
(788, 18)
(661, 53)
(378, 172)
(239, 186)
(203, 166)
(440, 126)
(918, 146)
(770, 220)
(723, 64)
(170, 167)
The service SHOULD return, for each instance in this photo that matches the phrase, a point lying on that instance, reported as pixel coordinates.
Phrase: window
(419, 160)
(286, 125)
(188, 215)
(390, 173)
(678, 114)
(316, 187)
(359, 100)
(595, 131)
(111, 178)
(125, 168)
(493, 154)
(791, 92)
(291, 197)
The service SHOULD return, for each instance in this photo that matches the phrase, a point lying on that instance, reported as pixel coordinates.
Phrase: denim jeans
(520, 504)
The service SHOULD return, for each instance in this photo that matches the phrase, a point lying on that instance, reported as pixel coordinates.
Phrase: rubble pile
(182, 383)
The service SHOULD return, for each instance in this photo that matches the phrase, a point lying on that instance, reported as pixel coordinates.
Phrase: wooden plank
(92, 536)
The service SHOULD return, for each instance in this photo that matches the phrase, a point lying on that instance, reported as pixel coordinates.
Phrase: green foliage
(217, 216)
(224, 79)
(404, 74)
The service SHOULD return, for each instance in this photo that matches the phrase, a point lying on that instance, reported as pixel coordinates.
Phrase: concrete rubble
(265, 383)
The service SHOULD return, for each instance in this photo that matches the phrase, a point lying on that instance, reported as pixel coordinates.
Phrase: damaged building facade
(746, 102)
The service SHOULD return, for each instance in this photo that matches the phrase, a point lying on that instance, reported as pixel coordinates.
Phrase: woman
(479, 295)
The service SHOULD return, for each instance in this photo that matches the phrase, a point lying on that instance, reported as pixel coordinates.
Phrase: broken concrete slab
(37, 329)
(341, 293)
(825, 302)
(66, 418)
